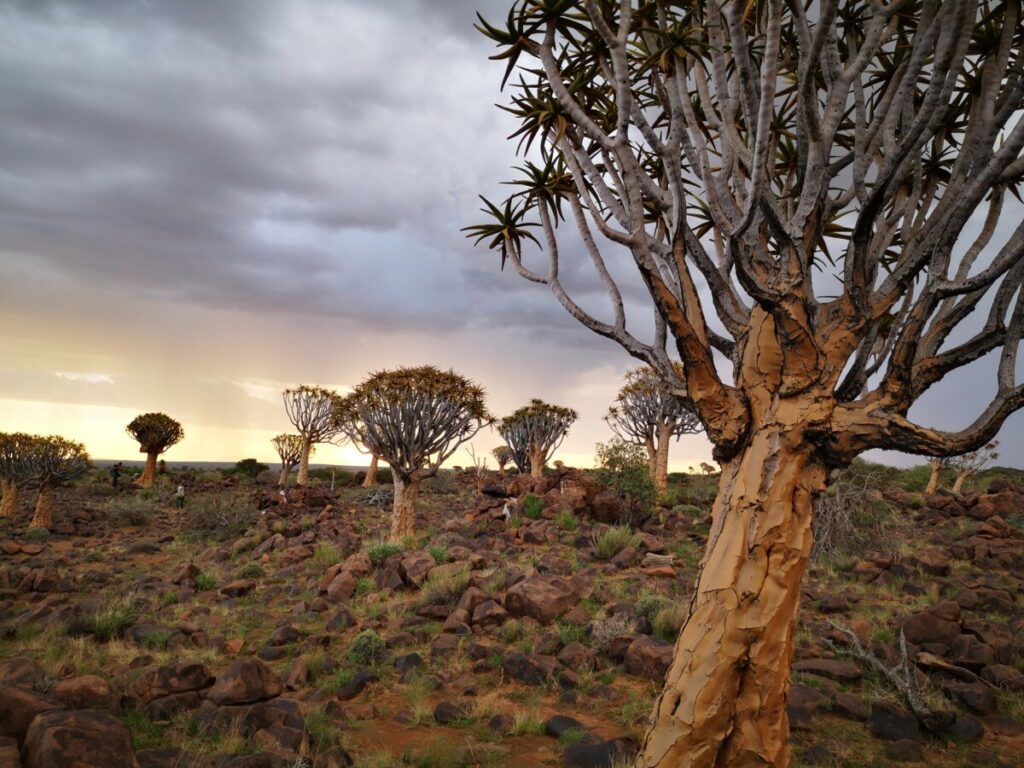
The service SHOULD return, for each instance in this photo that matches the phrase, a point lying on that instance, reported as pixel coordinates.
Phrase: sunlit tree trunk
(282, 479)
(149, 471)
(303, 478)
(403, 514)
(537, 464)
(933, 481)
(371, 474)
(9, 500)
(724, 702)
(958, 484)
(660, 476)
(43, 518)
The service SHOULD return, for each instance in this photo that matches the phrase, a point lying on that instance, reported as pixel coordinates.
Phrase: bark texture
(660, 475)
(958, 484)
(933, 480)
(149, 471)
(303, 478)
(403, 513)
(282, 478)
(9, 500)
(537, 464)
(371, 474)
(43, 517)
(724, 701)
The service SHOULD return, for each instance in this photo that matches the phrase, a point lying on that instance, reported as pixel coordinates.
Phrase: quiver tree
(289, 450)
(969, 464)
(53, 461)
(534, 432)
(371, 474)
(155, 433)
(648, 413)
(938, 464)
(792, 183)
(502, 456)
(414, 419)
(309, 410)
(16, 450)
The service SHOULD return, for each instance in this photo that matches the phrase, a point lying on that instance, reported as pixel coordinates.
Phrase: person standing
(115, 474)
(179, 496)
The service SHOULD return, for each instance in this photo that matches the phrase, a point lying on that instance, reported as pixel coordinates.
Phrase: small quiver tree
(937, 464)
(289, 450)
(648, 413)
(414, 419)
(16, 448)
(969, 464)
(832, 184)
(52, 462)
(502, 456)
(535, 431)
(155, 433)
(309, 410)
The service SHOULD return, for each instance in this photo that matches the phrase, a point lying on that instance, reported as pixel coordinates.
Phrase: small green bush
(129, 510)
(440, 554)
(532, 507)
(35, 534)
(204, 582)
(444, 589)
(106, 621)
(613, 541)
(367, 648)
(217, 517)
(566, 520)
(669, 620)
(622, 467)
(326, 554)
(381, 550)
(649, 606)
(690, 510)
(251, 571)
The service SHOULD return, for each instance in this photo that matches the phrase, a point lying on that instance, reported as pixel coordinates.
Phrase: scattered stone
(840, 671)
(532, 669)
(649, 657)
(83, 738)
(559, 724)
(238, 588)
(543, 598)
(893, 724)
(85, 692)
(904, 751)
(448, 712)
(966, 729)
(246, 681)
(18, 707)
(604, 754)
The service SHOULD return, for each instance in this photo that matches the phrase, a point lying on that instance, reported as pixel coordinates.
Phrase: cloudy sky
(203, 203)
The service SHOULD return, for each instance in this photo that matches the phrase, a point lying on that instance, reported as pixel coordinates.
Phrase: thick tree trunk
(652, 458)
(933, 481)
(660, 477)
(282, 479)
(303, 478)
(537, 464)
(724, 701)
(403, 514)
(43, 518)
(958, 484)
(149, 471)
(371, 474)
(9, 500)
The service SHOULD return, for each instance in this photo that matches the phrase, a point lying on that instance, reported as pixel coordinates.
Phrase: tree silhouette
(16, 450)
(534, 432)
(155, 433)
(309, 410)
(647, 413)
(414, 419)
(52, 461)
(806, 172)
(289, 449)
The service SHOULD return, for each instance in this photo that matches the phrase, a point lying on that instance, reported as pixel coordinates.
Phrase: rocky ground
(249, 630)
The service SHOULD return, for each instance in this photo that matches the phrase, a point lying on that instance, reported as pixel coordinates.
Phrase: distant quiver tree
(309, 410)
(52, 461)
(289, 450)
(16, 449)
(155, 433)
(534, 432)
(414, 419)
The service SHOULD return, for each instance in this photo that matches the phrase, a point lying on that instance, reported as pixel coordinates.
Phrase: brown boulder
(18, 707)
(927, 627)
(415, 566)
(543, 598)
(179, 677)
(840, 671)
(648, 657)
(246, 681)
(82, 738)
(85, 692)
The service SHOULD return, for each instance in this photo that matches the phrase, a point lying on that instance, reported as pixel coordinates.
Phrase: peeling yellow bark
(403, 513)
(537, 464)
(371, 474)
(43, 517)
(933, 480)
(303, 476)
(9, 500)
(149, 472)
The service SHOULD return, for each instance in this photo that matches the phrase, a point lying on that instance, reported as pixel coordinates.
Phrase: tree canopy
(534, 432)
(155, 432)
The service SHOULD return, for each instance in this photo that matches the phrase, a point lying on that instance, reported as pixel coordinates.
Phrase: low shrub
(381, 550)
(251, 571)
(444, 589)
(129, 510)
(326, 554)
(669, 620)
(218, 517)
(604, 631)
(107, 620)
(367, 648)
(204, 582)
(613, 541)
(566, 520)
(532, 507)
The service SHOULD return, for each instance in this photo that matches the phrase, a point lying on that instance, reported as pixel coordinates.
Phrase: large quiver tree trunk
(660, 475)
(537, 464)
(43, 517)
(403, 513)
(371, 474)
(303, 477)
(9, 499)
(149, 471)
(724, 702)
